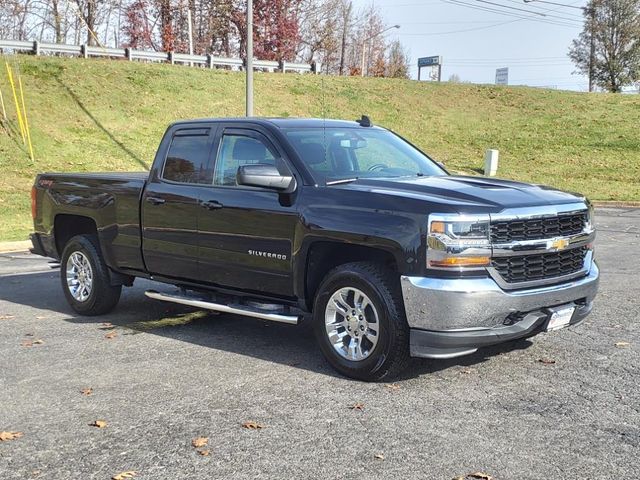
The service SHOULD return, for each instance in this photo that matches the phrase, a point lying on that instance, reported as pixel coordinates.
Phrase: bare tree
(398, 61)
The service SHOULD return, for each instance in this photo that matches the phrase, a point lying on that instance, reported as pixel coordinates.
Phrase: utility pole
(249, 60)
(190, 35)
(592, 47)
(346, 16)
(591, 12)
(364, 45)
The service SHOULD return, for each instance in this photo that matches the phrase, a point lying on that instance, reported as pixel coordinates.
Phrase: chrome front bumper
(440, 304)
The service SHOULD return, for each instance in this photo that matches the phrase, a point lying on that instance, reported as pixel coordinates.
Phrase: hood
(467, 193)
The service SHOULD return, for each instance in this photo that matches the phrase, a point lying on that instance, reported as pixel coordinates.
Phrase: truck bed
(111, 199)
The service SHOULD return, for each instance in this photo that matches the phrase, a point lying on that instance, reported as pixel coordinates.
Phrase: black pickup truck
(343, 223)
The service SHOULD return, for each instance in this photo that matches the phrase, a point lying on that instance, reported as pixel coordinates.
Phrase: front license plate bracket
(560, 317)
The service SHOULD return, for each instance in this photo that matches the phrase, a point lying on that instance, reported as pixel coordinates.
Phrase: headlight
(458, 243)
(591, 219)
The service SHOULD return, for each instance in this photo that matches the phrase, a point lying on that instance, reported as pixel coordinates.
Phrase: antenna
(364, 121)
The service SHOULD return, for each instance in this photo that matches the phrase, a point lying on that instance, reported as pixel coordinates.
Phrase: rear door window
(188, 157)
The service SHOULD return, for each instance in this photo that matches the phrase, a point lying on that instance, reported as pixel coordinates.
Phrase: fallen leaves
(479, 475)
(98, 424)
(6, 436)
(393, 387)
(106, 326)
(7, 317)
(546, 361)
(124, 475)
(379, 456)
(200, 442)
(251, 425)
(467, 371)
(622, 344)
(111, 335)
(357, 406)
(31, 343)
(86, 391)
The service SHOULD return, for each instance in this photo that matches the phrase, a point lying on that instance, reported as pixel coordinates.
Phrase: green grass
(101, 115)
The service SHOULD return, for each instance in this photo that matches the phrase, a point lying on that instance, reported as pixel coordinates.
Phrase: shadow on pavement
(284, 344)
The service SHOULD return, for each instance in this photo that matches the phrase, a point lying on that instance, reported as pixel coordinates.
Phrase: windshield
(334, 154)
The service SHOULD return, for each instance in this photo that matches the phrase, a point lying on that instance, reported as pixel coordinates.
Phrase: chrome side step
(218, 307)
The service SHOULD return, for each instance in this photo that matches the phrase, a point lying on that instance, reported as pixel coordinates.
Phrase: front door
(170, 202)
(246, 233)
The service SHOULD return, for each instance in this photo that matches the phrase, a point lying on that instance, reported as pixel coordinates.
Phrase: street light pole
(364, 43)
(592, 47)
(591, 11)
(249, 60)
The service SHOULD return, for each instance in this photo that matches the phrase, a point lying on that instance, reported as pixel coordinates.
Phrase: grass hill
(102, 115)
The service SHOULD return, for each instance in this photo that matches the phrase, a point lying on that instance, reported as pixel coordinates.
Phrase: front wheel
(359, 322)
(85, 277)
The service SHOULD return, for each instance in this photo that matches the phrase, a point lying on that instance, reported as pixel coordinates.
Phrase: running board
(218, 307)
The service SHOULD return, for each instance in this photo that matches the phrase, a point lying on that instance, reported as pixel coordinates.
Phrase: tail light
(33, 202)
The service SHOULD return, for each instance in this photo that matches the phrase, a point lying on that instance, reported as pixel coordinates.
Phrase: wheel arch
(323, 256)
(66, 226)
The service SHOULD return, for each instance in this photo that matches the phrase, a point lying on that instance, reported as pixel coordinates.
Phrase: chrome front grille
(544, 266)
(504, 231)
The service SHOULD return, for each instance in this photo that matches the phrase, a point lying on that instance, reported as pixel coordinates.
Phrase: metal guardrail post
(282, 66)
(210, 61)
(83, 51)
(127, 53)
(36, 47)
(170, 58)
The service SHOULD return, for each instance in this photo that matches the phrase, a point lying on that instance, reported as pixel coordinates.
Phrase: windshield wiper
(341, 181)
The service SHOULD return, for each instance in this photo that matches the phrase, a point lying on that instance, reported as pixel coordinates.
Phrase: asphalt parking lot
(171, 374)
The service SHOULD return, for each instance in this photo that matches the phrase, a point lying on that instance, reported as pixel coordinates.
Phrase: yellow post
(15, 99)
(4, 110)
(24, 115)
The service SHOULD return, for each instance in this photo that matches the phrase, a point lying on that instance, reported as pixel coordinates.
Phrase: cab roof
(283, 122)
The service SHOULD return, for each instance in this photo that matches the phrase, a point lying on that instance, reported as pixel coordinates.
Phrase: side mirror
(265, 176)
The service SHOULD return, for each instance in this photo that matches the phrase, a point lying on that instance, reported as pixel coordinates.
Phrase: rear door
(246, 233)
(170, 203)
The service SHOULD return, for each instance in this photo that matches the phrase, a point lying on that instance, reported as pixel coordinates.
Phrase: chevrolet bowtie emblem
(559, 244)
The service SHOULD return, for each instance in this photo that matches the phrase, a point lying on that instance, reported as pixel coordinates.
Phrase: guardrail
(207, 61)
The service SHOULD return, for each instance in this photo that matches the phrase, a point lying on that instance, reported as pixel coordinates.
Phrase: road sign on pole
(502, 76)
(433, 61)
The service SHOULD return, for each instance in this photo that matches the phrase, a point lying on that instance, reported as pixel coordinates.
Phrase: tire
(381, 358)
(82, 266)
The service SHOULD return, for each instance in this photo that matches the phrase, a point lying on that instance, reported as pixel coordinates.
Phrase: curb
(20, 246)
(614, 204)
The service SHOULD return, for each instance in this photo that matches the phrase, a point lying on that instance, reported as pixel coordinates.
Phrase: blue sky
(474, 42)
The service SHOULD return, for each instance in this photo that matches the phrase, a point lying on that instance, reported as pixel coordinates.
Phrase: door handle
(155, 200)
(211, 204)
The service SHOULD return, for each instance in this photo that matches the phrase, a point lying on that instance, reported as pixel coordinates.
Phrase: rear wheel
(359, 322)
(85, 277)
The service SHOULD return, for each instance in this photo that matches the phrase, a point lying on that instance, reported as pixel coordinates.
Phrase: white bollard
(491, 163)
